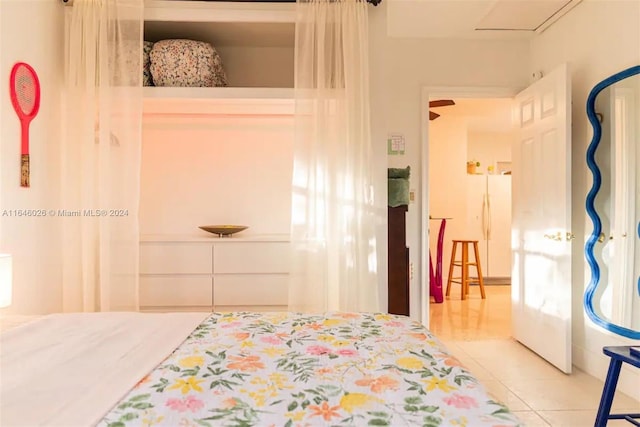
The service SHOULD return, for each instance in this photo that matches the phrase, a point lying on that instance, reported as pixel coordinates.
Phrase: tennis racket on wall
(25, 97)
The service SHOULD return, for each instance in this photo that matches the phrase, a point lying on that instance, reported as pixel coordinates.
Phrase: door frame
(440, 92)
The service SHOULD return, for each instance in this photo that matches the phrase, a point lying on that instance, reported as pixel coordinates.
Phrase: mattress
(282, 369)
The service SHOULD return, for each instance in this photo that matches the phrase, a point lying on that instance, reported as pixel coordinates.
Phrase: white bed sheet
(70, 369)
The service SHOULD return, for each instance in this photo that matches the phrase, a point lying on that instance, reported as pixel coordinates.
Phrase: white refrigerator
(489, 222)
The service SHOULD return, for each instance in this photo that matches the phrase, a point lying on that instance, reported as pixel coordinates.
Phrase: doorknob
(568, 236)
(556, 237)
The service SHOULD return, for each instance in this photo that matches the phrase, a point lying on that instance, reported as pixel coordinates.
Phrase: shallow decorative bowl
(223, 230)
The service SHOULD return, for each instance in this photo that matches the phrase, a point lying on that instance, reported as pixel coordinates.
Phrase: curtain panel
(333, 227)
(102, 136)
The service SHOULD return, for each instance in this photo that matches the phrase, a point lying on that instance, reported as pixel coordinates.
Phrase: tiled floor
(478, 332)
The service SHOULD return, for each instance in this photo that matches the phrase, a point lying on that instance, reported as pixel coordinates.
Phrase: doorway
(469, 165)
(541, 285)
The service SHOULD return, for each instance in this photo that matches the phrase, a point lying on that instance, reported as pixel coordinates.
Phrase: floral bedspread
(291, 369)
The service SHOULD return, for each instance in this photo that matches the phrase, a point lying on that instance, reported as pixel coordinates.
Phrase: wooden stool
(464, 264)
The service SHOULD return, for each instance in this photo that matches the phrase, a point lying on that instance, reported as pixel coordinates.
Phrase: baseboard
(597, 364)
(497, 281)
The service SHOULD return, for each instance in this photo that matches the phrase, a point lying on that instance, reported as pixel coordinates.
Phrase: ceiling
(479, 115)
(501, 19)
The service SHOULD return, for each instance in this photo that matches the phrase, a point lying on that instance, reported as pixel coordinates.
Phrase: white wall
(216, 170)
(448, 146)
(598, 38)
(31, 32)
(400, 67)
(489, 148)
(275, 65)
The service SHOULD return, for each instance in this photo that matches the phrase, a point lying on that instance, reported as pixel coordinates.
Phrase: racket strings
(25, 88)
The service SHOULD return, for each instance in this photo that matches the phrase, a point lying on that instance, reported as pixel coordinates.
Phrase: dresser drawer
(251, 290)
(251, 257)
(175, 258)
(179, 291)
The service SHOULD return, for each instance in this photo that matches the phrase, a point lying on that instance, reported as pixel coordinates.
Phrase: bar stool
(464, 264)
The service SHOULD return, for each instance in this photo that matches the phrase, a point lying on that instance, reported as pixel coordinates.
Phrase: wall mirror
(612, 298)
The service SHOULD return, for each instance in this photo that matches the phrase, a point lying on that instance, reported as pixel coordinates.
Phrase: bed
(236, 369)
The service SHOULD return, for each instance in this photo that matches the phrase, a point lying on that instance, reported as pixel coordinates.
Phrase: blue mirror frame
(593, 214)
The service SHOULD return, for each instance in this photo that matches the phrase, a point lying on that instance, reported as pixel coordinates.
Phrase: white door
(541, 218)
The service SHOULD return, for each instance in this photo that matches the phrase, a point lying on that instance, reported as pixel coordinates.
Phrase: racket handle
(24, 171)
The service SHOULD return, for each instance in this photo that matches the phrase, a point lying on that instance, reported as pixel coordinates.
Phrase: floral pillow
(186, 63)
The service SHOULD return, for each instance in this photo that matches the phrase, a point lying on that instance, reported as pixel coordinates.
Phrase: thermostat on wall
(395, 143)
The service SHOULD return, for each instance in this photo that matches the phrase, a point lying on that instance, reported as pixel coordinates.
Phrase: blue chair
(618, 355)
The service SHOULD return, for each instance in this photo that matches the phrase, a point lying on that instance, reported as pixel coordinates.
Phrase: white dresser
(183, 273)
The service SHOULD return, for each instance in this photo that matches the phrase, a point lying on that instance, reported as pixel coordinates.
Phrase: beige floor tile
(508, 359)
(576, 419)
(453, 347)
(508, 367)
(504, 347)
(472, 365)
(550, 395)
(621, 401)
(530, 419)
(570, 393)
(469, 362)
(501, 393)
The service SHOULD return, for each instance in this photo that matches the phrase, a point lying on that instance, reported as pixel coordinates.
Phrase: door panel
(541, 279)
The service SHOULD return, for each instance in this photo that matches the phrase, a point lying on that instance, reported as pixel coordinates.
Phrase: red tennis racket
(25, 97)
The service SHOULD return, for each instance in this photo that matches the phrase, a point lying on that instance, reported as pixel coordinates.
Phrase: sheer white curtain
(333, 212)
(101, 154)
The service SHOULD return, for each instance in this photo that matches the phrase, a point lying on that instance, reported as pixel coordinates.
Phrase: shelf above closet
(255, 40)
(222, 23)
(172, 93)
(197, 101)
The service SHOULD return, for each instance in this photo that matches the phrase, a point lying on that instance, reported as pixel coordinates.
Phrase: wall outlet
(411, 271)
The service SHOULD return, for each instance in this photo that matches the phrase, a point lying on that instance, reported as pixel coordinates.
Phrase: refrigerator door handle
(489, 215)
(485, 217)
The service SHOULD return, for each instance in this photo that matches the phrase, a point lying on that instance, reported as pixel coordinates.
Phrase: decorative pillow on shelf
(186, 63)
(146, 64)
